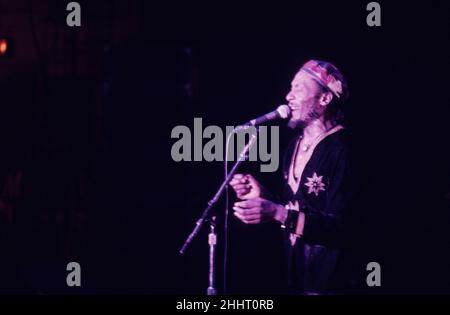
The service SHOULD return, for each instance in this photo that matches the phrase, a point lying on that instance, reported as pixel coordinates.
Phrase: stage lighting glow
(3, 46)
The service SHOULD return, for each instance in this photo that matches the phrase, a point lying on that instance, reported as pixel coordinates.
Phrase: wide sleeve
(332, 225)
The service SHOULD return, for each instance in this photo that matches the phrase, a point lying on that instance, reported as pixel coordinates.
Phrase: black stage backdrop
(86, 120)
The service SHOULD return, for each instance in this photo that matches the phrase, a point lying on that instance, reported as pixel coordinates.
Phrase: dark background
(86, 115)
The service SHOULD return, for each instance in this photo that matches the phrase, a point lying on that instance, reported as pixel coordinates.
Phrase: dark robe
(318, 262)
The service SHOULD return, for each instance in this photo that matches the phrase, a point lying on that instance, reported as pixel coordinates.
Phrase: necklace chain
(305, 147)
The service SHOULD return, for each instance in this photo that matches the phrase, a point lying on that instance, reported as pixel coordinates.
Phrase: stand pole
(212, 241)
(212, 237)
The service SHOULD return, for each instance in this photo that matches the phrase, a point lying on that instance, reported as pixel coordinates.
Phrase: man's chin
(295, 123)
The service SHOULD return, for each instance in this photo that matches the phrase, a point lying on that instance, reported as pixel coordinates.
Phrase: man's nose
(289, 97)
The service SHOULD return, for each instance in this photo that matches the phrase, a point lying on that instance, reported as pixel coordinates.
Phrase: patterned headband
(327, 76)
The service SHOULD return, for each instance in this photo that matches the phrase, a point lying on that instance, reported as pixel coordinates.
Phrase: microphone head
(284, 111)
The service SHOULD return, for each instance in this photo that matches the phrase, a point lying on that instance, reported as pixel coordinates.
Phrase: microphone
(282, 112)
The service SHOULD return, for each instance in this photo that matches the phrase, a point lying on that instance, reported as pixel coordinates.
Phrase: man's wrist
(280, 214)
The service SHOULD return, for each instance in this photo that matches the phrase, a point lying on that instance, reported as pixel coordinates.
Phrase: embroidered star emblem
(315, 184)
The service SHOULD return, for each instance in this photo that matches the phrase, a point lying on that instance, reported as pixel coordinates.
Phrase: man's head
(317, 92)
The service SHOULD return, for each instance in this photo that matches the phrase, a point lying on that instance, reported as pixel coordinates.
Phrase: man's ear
(325, 98)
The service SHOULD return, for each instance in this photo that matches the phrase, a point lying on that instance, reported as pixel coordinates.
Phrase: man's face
(303, 100)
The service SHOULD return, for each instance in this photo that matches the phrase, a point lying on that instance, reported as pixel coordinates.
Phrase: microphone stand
(212, 237)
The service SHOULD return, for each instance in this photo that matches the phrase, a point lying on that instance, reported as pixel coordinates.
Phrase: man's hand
(257, 210)
(246, 186)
